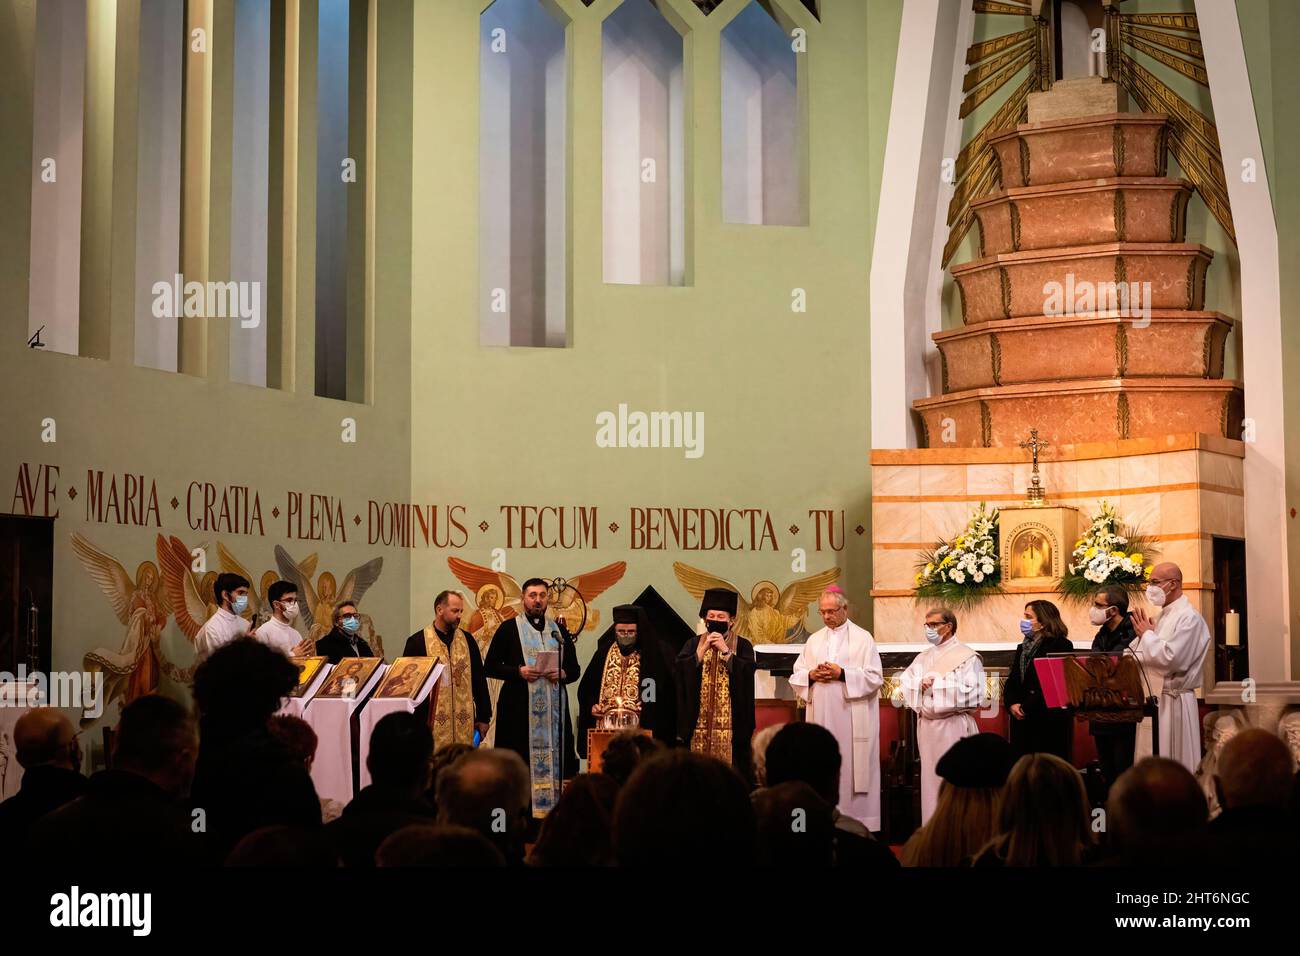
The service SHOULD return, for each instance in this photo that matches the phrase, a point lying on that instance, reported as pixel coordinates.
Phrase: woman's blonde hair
(964, 819)
(1044, 816)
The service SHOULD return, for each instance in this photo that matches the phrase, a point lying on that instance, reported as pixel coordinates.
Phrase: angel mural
(499, 598)
(317, 603)
(132, 670)
(771, 615)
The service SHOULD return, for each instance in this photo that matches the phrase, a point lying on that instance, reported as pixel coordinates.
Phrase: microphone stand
(1152, 702)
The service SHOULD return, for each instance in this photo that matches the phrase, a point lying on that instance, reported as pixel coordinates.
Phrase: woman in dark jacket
(1035, 728)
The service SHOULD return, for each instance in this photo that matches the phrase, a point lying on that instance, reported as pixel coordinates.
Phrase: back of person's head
(284, 846)
(401, 748)
(807, 752)
(442, 846)
(1155, 808)
(157, 738)
(964, 820)
(43, 736)
(1044, 819)
(488, 791)
(796, 827)
(1255, 770)
(295, 736)
(242, 684)
(443, 758)
(681, 807)
(758, 745)
(624, 753)
(577, 831)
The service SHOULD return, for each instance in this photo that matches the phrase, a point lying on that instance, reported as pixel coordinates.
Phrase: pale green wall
(1269, 30)
(175, 428)
(785, 396)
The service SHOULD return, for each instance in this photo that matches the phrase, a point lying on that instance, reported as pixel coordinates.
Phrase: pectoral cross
(1034, 493)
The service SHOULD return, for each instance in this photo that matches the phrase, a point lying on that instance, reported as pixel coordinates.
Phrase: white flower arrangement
(1108, 553)
(966, 567)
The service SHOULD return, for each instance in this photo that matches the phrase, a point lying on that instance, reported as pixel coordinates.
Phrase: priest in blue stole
(533, 708)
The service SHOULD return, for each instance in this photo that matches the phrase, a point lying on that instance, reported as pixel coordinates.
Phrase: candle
(1232, 627)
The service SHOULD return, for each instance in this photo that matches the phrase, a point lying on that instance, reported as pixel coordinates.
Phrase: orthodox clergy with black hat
(631, 670)
(715, 686)
(460, 703)
(838, 674)
(533, 706)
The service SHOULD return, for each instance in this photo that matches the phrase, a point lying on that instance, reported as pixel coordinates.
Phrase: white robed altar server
(838, 673)
(1172, 653)
(945, 686)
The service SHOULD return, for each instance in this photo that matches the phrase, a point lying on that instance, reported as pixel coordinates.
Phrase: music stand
(1100, 686)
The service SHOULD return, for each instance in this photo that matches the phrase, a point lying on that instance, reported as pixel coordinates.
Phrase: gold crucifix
(1034, 494)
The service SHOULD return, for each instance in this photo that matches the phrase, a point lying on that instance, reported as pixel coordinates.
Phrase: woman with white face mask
(1114, 740)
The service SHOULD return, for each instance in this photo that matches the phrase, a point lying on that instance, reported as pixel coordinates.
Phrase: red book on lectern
(1051, 675)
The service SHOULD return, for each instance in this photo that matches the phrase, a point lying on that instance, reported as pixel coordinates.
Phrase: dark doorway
(26, 581)
(1230, 662)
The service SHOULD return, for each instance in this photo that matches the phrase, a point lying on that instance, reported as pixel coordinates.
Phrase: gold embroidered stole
(620, 681)
(451, 715)
(712, 734)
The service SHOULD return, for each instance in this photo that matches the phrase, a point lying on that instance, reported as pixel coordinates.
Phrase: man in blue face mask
(227, 624)
(345, 640)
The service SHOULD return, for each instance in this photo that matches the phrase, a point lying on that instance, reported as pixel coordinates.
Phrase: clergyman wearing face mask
(227, 623)
(345, 640)
(279, 632)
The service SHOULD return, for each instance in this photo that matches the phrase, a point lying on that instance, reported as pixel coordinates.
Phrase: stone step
(1081, 410)
(1072, 150)
(1128, 209)
(1060, 281)
(1175, 344)
(1078, 96)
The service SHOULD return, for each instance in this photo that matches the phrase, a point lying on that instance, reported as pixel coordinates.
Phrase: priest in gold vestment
(459, 704)
(631, 670)
(715, 686)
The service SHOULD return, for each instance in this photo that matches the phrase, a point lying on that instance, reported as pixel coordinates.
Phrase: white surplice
(849, 709)
(1173, 656)
(217, 631)
(944, 711)
(283, 637)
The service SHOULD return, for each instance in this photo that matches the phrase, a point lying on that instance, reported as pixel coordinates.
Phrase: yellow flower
(918, 578)
(1117, 554)
(961, 540)
(1090, 553)
(1147, 572)
(929, 569)
(1136, 557)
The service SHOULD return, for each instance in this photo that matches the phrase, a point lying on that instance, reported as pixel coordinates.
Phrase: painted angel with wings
(318, 603)
(499, 598)
(771, 615)
(132, 670)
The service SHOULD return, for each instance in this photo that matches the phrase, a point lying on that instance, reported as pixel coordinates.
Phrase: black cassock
(740, 671)
(477, 680)
(504, 658)
(659, 716)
